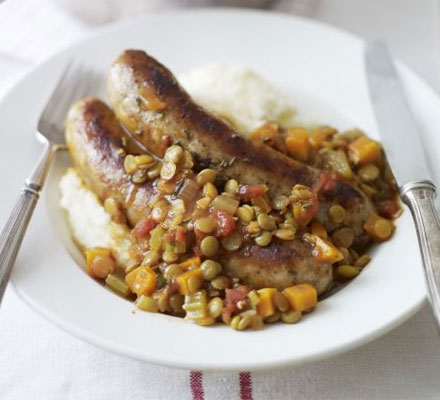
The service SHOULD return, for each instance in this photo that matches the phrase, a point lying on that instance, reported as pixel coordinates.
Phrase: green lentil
(147, 303)
(209, 246)
(215, 307)
(369, 173)
(263, 239)
(210, 269)
(291, 317)
(205, 176)
(347, 271)
(266, 222)
(336, 214)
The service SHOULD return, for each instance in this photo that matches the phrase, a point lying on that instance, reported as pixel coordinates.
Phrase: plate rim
(90, 338)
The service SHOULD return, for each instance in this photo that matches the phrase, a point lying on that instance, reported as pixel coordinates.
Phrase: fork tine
(71, 94)
(76, 82)
(59, 88)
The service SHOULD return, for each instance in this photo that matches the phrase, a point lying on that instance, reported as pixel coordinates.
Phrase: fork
(75, 83)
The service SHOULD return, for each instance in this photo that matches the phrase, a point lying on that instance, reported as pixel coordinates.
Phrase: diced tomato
(225, 223)
(305, 211)
(388, 208)
(200, 235)
(176, 235)
(165, 143)
(180, 234)
(327, 181)
(143, 228)
(236, 301)
(170, 237)
(249, 192)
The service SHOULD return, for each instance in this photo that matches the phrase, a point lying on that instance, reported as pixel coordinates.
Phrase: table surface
(39, 361)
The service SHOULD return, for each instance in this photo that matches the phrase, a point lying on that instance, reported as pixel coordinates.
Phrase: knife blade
(397, 127)
(405, 153)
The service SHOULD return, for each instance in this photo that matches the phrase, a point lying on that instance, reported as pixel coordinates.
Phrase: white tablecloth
(40, 362)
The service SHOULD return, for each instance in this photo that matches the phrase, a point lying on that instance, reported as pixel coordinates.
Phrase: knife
(404, 151)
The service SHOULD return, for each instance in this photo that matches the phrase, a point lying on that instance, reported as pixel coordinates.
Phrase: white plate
(322, 69)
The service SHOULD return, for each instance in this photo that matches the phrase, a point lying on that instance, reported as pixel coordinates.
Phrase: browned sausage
(94, 139)
(148, 100)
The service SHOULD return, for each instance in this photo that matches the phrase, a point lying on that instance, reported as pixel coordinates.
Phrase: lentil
(210, 269)
(209, 246)
(285, 234)
(347, 271)
(336, 213)
(176, 303)
(343, 237)
(168, 170)
(151, 258)
(368, 173)
(147, 303)
(221, 282)
(263, 239)
(210, 190)
(245, 214)
(280, 202)
(205, 176)
(206, 224)
(231, 186)
(362, 261)
(174, 154)
(172, 271)
(291, 317)
(215, 307)
(232, 242)
(130, 164)
(266, 222)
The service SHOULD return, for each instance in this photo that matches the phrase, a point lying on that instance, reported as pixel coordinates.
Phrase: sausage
(151, 104)
(94, 139)
(211, 141)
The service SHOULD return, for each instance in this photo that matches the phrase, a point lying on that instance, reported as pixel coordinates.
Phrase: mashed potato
(90, 224)
(237, 94)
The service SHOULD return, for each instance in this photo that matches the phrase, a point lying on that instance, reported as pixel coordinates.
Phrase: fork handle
(419, 197)
(13, 232)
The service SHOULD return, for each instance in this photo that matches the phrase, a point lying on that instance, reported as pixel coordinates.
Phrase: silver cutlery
(75, 83)
(404, 150)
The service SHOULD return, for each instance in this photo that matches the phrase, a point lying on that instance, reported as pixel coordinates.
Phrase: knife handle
(419, 197)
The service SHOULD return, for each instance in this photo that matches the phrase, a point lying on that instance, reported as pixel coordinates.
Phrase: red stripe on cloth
(245, 386)
(196, 384)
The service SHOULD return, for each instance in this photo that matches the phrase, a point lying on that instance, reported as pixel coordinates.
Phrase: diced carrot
(302, 297)
(265, 134)
(378, 228)
(183, 281)
(323, 250)
(266, 302)
(297, 143)
(191, 262)
(142, 280)
(364, 151)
